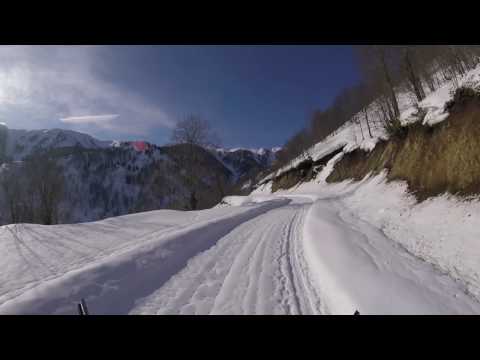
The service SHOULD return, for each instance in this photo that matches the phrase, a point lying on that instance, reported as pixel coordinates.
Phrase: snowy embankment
(358, 266)
(442, 231)
(351, 136)
(243, 200)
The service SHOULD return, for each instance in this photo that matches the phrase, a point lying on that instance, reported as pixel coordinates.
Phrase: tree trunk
(384, 113)
(193, 201)
(413, 78)
(361, 130)
(429, 81)
(368, 123)
(388, 79)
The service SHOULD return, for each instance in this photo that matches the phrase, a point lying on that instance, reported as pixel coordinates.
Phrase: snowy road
(306, 258)
(267, 255)
(258, 268)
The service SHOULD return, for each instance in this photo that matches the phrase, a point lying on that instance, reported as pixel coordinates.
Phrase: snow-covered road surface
(256, 269)
(255, 255)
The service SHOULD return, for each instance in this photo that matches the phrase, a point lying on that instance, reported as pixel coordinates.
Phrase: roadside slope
(357, 267)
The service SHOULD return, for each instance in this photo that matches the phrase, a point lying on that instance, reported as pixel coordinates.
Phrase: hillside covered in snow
(353, 134)
(112, 178)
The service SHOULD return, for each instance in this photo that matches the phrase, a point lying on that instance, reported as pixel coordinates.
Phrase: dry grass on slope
(432, 160)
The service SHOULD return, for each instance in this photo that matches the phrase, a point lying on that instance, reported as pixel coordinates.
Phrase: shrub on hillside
(394, 129)
(462, 97)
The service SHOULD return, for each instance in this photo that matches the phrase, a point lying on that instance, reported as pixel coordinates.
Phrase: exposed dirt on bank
(431, 159)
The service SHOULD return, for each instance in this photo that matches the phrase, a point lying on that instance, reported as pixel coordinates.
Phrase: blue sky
(252, 95)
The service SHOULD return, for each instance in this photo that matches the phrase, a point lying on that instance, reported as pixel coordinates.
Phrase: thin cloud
(46, 86)
(90, 119)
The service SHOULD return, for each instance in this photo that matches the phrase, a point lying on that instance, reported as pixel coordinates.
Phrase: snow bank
(357, 267)
(246, 200)
(443, 230)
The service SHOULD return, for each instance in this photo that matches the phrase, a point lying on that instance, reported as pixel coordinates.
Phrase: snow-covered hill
(22, 143)
(111, 178)
(349, 137)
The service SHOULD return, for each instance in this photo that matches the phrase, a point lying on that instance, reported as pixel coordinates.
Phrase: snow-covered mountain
(245, 163)
(111, 178)
(22, 143)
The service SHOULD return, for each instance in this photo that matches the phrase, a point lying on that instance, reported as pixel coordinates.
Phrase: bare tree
(3, 142)
(378, 65)
(358, 120)
(365, 113)
(193, 132)
(385, 70)
(410, 68)
(18, 200)
(298, 145)
(12, 195)
(46, 186)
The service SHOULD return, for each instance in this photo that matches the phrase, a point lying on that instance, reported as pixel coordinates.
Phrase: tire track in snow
(289, 290)
(196, 287)
(251, 270)
(309, 302)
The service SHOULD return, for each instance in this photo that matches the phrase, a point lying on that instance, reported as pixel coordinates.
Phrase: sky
(253, 96)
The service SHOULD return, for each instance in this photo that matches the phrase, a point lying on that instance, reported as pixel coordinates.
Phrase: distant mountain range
(111, 178)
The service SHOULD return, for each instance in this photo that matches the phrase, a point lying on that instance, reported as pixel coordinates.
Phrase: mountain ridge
(112, 178)
(68, 138)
